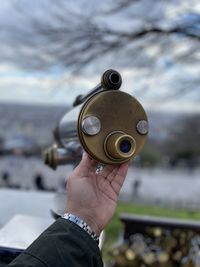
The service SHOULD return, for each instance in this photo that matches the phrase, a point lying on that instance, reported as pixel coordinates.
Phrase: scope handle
(110, 80)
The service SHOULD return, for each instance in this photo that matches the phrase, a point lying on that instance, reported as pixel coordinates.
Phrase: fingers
(119, 178)
(112, 174)
(107, 170)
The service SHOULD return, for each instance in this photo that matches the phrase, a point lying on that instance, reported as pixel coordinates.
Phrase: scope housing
(110, 125)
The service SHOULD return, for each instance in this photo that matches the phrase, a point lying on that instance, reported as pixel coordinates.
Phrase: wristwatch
(82, 224)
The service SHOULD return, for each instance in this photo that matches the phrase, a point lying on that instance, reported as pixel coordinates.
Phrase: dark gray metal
(111, 80)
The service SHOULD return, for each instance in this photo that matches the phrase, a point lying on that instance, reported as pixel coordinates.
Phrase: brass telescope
(110, 125)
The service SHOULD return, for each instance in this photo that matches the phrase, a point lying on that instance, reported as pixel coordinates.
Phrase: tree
(184, 139)
(137, 34)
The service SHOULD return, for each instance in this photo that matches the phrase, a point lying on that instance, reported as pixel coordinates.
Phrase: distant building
(20, 145)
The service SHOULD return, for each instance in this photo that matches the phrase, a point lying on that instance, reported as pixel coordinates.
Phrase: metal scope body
(110, 125)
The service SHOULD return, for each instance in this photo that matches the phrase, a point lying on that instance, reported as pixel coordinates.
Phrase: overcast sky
(57, 86)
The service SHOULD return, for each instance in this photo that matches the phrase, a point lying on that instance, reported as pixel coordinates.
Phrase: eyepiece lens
(125, 146)
(114, 78)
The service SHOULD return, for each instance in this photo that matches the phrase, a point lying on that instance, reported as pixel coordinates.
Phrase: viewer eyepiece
(125, 146)
(111, 80)
(114, 78)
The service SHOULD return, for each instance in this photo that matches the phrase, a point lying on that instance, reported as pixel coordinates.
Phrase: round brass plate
(117, 111)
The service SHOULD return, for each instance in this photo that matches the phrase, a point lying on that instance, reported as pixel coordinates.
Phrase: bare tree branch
(119, 6)
(73, 39)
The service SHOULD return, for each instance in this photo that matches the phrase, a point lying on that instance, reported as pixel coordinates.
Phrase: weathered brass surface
(117, 112)
(51, 156)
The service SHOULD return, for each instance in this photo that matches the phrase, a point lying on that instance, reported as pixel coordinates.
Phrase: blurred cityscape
(26, 130)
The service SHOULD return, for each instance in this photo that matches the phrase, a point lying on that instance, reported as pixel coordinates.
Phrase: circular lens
(125, 146)
(114, 78)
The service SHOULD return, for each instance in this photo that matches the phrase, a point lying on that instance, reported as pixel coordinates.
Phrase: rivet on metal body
(91, 125)
(142, 127)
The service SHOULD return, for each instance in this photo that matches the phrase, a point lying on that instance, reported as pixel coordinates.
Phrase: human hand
(93, 197)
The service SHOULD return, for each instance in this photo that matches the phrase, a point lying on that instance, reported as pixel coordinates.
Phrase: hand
(93, 197)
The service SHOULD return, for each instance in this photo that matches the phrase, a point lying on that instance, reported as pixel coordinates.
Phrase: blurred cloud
(150, 77)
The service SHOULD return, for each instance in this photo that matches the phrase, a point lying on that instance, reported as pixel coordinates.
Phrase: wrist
(82, 224)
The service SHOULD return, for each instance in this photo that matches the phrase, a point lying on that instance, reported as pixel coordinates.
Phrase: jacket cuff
(65, 244)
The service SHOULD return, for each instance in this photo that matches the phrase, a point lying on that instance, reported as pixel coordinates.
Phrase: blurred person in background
(136, 187)
(5, 179)
(39, 182)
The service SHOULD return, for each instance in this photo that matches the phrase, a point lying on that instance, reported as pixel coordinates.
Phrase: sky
(152, 87)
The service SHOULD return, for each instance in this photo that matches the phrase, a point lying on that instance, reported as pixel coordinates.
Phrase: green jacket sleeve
(63, 244)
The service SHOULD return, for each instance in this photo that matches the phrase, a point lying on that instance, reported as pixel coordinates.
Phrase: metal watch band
(82, 224)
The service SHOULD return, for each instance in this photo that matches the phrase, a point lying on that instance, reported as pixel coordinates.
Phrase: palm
(95, 194)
